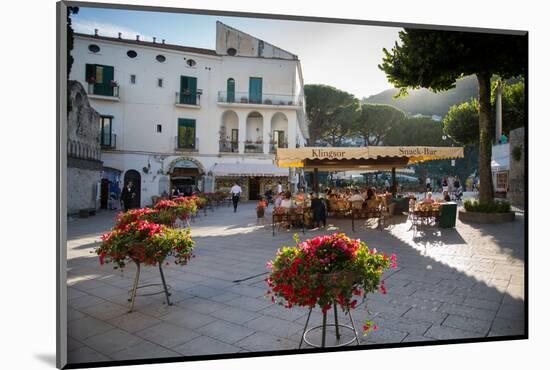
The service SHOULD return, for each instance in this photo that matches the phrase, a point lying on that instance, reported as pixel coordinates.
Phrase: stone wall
(516, 182)
(83, 150)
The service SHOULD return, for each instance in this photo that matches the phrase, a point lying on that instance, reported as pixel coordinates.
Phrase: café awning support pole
(315, 180)
(393, 182)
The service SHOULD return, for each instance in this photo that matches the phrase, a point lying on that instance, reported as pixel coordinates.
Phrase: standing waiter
(128, 195)
(235, 195)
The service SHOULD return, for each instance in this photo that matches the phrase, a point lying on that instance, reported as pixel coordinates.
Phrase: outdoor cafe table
(292, 217)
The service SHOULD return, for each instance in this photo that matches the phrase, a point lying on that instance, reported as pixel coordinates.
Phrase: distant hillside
(426, 102)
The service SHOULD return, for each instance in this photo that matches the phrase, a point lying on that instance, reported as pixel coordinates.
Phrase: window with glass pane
(186, 133)
(106, 131)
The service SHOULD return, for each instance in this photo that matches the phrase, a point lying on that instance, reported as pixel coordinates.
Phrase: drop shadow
(46, 358)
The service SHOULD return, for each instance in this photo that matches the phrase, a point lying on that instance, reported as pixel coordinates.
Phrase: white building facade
(176, 116)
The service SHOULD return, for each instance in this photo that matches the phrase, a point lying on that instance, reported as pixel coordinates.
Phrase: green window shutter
(183, 86)
(188, 90)
(90, 72)
(186, 133)
(103, 85)
(230, 90)
(255, 90)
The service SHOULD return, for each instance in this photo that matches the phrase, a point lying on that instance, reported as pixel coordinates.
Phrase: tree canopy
(435, 59)
(331, 113)
(462, 121)
(70, 37)
(374, 121)
(416, 131)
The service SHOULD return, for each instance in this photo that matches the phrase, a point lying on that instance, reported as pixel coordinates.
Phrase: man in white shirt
(279, 188)
(235, 195)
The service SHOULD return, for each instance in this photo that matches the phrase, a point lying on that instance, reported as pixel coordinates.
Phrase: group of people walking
(450, 186)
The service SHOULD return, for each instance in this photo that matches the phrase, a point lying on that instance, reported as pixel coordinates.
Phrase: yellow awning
(372, 157)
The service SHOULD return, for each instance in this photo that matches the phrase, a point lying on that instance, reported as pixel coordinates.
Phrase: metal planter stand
(133, 292)
(324, 330)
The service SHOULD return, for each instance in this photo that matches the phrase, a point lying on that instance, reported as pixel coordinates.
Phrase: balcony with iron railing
(264, 99)
(253, 146)
(109, 92)
(188, 99)
(184, 144)
(107, 140)
(227, 146)
(273, 147)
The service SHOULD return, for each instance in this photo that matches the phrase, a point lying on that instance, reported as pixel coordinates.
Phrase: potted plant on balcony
(91, 82)
(244, 99)
(268, 101)
(259, 141)
(328, 271)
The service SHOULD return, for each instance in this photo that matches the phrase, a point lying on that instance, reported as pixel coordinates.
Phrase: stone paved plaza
(466, 282)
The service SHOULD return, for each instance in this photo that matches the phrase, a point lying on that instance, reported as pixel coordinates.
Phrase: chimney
(137, 37)
(154, 40)
(162, 41)
(120, 35)
(95, 31)
(498, 103)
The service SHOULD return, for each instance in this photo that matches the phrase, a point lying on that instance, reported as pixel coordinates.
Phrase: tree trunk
(485, 136)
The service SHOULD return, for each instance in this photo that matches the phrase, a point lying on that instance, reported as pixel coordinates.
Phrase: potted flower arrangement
(143, 237)
(327, 271)
(138, 238)
(91, 82)
(186, 206)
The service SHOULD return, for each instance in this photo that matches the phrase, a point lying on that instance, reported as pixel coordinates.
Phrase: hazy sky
(344, 56)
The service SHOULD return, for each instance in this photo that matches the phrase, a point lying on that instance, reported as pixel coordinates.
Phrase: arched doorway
(254, 133)
(279, 131)
(135, 177)
(229, 132)
(185, 175)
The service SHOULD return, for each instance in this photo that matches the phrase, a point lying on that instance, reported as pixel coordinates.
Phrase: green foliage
(374, 121)
(488, 207)
(462, 122)
(70, 37)
(331, 113)
(416, 131)
(437, 59)
(513, 106)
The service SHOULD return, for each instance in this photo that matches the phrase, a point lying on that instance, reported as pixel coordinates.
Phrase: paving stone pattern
(466, 282)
